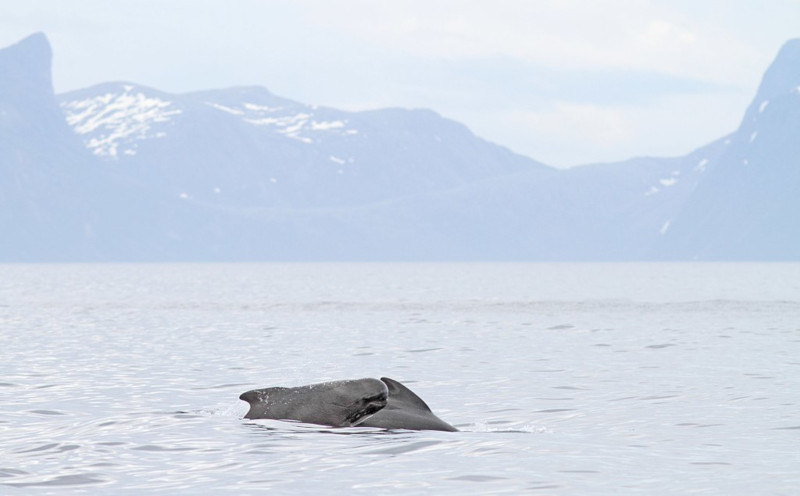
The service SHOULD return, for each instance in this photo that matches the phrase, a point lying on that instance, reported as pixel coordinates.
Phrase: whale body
(384, 403)
(337, 403)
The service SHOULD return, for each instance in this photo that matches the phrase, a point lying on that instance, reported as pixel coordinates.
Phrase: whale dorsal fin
(400, 393)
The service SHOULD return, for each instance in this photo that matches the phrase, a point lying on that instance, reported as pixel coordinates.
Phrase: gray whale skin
(384, 403)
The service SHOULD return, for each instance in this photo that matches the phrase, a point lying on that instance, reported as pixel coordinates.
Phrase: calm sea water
(564, 379)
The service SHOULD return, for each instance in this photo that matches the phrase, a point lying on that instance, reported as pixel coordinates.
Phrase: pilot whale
(384, 403)
(337, 403)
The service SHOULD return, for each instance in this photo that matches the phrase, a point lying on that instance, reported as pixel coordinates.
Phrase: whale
(368, 402)
(335, 404)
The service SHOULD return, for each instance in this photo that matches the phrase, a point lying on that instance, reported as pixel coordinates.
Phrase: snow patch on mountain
(325, 126)
(112, 123)
(701, 166)
(667, 182)
(225, 109)
(295, 123)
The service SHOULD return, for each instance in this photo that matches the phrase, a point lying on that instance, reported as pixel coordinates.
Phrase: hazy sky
(563, 81)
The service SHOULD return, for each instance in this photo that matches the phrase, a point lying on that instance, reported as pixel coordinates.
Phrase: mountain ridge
(124, 172)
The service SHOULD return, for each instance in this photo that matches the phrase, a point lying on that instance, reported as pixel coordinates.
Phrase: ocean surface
(564, 379)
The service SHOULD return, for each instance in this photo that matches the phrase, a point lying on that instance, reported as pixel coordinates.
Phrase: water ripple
(124, 379)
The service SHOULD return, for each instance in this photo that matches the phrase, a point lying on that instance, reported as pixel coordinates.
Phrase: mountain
(602, 212)
(42, 163)
(270, 178)
(123, 172)
(58, 202)
(748, 206)
(733, 199)
(247, 147)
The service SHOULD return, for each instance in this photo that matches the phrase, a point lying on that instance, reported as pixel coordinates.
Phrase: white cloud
(659, 78)
(629, 34)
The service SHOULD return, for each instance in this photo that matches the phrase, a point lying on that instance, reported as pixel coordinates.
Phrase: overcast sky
(566, 82)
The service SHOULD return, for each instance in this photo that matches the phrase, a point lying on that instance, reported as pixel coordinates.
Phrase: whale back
(337, 403)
